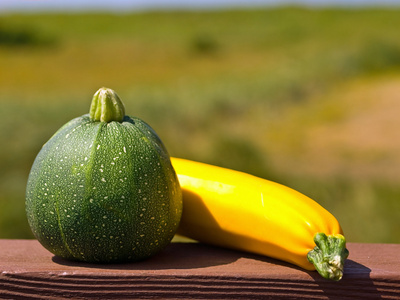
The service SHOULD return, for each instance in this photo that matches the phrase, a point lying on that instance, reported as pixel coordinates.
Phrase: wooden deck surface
(194, 271)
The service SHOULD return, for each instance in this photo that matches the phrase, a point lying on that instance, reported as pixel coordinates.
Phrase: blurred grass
(237, 88)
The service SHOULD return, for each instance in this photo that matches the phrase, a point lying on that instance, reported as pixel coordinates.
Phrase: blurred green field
(305, 97)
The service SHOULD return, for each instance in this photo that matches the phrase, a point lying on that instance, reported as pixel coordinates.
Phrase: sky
(122, 5)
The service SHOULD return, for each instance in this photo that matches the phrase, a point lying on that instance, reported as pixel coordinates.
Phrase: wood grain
(194, 271)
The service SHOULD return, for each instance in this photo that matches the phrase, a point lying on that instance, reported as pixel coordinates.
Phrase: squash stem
(106, 106)
(329, 255)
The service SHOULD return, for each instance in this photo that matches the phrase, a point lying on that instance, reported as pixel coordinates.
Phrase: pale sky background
(123, 5)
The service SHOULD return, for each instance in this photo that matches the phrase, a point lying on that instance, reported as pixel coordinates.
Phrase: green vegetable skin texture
(103, 192)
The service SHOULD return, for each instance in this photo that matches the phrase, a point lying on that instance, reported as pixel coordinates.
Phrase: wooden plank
(192, 270)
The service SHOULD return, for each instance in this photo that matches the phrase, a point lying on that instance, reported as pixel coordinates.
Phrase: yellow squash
(236, 210)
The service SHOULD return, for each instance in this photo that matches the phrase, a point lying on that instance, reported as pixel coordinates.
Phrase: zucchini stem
(106, 106)
(329, 255)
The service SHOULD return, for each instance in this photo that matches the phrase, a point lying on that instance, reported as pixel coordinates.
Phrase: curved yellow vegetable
(236, 210)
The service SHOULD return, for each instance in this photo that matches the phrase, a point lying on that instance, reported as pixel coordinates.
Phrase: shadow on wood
(195, 256)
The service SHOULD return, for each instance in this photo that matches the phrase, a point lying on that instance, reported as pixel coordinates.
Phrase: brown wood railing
(194, 271)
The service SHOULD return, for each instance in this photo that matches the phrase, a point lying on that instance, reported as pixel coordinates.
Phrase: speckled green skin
(103, 192)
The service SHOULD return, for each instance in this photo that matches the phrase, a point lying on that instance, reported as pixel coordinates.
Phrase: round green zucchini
(103, 189)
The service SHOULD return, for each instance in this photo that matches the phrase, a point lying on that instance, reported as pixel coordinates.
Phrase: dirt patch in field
(364, 142)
